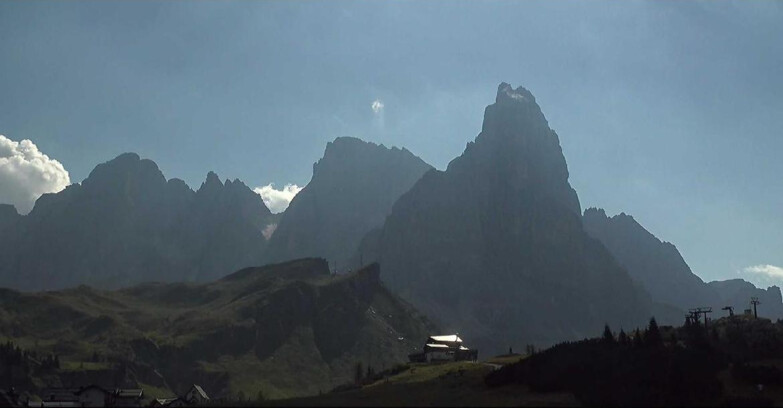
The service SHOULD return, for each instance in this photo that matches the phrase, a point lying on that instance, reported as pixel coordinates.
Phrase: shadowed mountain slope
(125, 223)
(656, 265)
(660, 268)
(494, 246)
(351, 192)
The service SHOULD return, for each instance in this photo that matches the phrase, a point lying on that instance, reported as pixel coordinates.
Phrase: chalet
(169, 402)
(90, 396)
(93, 396)
(127, 397)
(195, 396)
(444, 348)
(57, 397)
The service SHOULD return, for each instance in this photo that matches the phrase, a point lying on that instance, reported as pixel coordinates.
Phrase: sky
(667, 111)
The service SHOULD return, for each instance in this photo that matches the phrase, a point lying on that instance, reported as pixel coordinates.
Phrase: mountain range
(661, 269)
(125, 224)
(494, 247)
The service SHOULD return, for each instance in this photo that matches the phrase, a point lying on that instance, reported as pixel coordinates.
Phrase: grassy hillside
(285, 330)
(447, 384)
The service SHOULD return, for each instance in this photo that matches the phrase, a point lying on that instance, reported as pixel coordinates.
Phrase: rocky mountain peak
(212, 182)
(507, 94)
(518, 151)
(126, 171)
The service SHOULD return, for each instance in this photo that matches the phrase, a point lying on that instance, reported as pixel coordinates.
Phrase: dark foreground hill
(282, 330)
(720, 365)
(126, 224)
(494, 245)
(731, 362)
(351, 192)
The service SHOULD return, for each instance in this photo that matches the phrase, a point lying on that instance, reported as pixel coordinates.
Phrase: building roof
(129, 393)
(451, 338)
(59, 394)
(91, 387)
(443, 346)
(200, 391)
(166, 401)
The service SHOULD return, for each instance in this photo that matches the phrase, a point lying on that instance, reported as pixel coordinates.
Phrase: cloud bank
(763, 275)
(277, 200)
(768, 271)
(26, 174)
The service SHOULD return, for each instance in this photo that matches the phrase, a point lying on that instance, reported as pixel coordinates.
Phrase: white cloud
(277, 200)
(26, 174)
(770, 271)
(377, 106)
(763, 275)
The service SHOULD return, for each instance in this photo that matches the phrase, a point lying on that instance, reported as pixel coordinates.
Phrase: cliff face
(286, 329)
(656, 265)
(660, 268)
(351, 192)
(494, 246)
(126, 224)
(738, 292)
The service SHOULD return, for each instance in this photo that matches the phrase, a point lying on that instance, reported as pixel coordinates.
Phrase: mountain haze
(661, 269)
(351, 192)
(493, 247)
(125, 224)
(656, 265)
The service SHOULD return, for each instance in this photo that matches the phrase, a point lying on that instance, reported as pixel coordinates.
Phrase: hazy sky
(669, 111)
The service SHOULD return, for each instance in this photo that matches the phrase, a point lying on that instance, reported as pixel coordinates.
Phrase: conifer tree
(652, 337)
(637, 338)
(622, 338)
(608, 336)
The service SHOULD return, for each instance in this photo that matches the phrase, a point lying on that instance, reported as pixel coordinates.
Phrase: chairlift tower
(755, 301)
(730, 309)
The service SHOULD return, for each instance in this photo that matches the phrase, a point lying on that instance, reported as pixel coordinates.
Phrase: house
(89, 396)
(57, 397)
(169, 402)
(127, 397)
(93, 396)
(196, 396)
(444, 348)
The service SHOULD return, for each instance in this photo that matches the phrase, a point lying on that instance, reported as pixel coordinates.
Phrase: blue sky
(668, 111)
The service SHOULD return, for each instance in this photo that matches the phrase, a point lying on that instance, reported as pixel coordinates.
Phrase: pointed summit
(212, 182)
(517, 152)
(494, 245)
